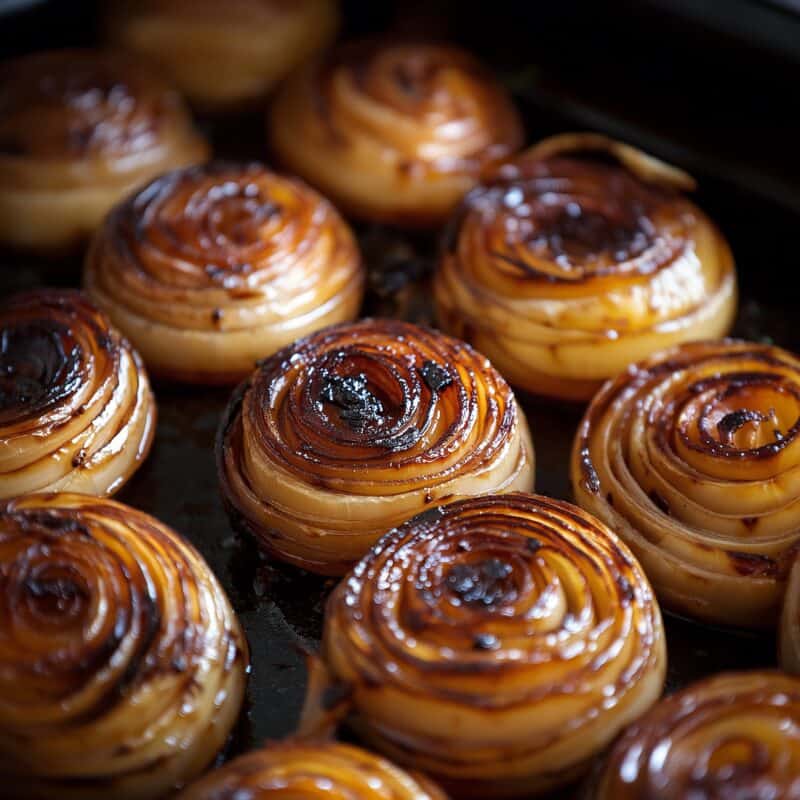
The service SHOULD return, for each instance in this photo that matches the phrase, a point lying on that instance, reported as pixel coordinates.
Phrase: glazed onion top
(733, 735)
(226, 249)
(694, 457)
(69, 117)
(402, 115)
(588, 246)
(294, 769)
(122, 665)
(76, 409)
(502, 638)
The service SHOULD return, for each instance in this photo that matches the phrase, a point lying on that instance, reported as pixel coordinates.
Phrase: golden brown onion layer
(693, 457)
(564, 269)
(76, 409)
(210, 268)
(359, 427)
(79, 129)
(497, 643)
(394, 131)
(294, 770)
(122, 664)
(224, 55)
(735, 735)
(789, 640)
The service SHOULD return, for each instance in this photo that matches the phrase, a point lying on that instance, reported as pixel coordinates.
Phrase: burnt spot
(400, 441)
(731, 423)
(753, 565)
(351, 395)
(627, 593)
(659, 502)
(216, 316)
(56, 595)
(487, 583)
(436, 377)
(591, 480)
(533, 545)
(485, 641)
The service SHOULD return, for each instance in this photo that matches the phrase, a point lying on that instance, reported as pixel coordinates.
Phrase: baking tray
(281, 608)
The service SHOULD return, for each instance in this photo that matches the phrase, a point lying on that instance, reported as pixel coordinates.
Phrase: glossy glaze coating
(736, 735)
(79, 129)
(327, 770)
(357, 428)
(223, 56)
(693, 456)
(497, 643)
(394, 131)
(211, 268)
(578, 257)
(122, 665)
(76, 409)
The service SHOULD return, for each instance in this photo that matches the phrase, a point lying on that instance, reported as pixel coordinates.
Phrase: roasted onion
(210, 268)
(693, 457)
(735, 735)
(563, 270)
(224, 55)
(122, 664)
(79, 129)
(358, 428)
(497, 643)
(394, 131)
(296, 770)
(790, 623)
(76, 409)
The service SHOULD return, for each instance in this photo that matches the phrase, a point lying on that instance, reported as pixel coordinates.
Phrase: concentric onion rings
(359, 427)
(122, 664)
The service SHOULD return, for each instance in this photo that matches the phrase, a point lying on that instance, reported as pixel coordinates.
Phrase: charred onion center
(488, 583)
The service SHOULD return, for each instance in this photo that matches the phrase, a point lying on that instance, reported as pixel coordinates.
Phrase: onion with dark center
(497, 644)
(210, 268)
(227, 55)
(693, 457)
(563, 269)
(735, 735)
(122, 664)
(394, 131)
(358, 428)
(76, 409)
(294, 770)
(79, 129)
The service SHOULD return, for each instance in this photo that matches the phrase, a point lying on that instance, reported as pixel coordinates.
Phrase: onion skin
(394, 131)
(294, 769)
(789, 640)
(122, 664)
(564, 270)
(356, 429)
(76, 409)
(497, 644)
(224, 57)
(731, 736)
(210, 268)
(693, 457)
(80, 129)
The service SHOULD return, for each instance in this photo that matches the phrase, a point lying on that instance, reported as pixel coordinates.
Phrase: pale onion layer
(223, 55)
(693, 457)
(564, 269)
(294, 770)
(79, 130)
(789, 640)
(211, 268)
(735, 735)
(394, 131)
(497, 643)
(76, 410)
(359, 427)
(122, 664)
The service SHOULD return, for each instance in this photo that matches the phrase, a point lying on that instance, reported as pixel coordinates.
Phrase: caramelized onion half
(359, 427)
(735, 735)
(295, 770)
(224, 55)
(210, 268)
(76, 409)
(122, 664)
(394, 131)
(497, 643)
(563, 270)
(693, 457)
(79, 129)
